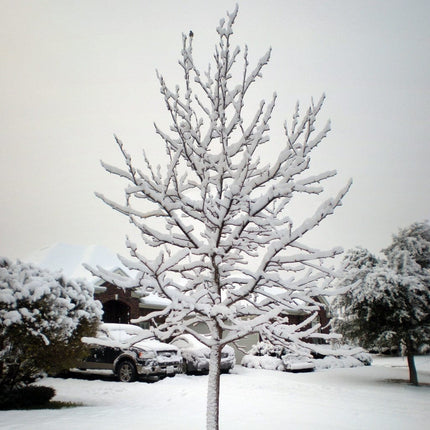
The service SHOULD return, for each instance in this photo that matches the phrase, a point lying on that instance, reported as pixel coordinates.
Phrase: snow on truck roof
(126, 335)
(128, 328)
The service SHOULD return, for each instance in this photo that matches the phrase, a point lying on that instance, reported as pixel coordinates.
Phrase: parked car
(127, 351)
(196, 355)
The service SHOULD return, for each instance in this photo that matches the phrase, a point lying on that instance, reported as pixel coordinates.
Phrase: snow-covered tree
(42, 319)
(356, 265)
(389, 306)
(414, 239)
(219, 240)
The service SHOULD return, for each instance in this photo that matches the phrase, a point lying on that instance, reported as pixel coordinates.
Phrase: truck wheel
(126, 371)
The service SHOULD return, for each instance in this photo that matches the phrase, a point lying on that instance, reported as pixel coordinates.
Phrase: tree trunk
(212, 409)
(413, 375)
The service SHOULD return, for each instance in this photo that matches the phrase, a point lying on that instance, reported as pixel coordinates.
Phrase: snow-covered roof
(70, 259)
(152, 301)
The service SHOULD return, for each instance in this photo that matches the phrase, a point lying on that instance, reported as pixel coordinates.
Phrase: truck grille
(166, 354)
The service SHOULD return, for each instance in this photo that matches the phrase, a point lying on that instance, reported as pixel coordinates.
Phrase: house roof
(151, 301)
(70, 258)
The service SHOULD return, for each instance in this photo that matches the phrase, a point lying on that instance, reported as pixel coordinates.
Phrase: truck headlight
(144, 355)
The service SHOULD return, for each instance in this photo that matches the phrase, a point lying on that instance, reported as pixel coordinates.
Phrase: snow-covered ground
(358, 398)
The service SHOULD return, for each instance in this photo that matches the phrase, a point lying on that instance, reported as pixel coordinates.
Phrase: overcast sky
(72, 73)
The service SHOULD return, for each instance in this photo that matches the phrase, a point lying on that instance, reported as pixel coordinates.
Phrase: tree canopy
(218, 238)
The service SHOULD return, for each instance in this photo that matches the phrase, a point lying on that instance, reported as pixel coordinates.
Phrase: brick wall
(113, 293)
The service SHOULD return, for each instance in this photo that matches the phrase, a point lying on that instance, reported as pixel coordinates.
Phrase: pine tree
(220, 243)
(388, 307)
(409, 257)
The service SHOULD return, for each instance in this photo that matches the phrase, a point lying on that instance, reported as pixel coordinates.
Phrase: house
(119, 305)
(123, 305)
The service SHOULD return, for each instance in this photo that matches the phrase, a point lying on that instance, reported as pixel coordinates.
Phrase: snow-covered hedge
(262, 362)
(42, 319)
(263, 355)
(288, 357)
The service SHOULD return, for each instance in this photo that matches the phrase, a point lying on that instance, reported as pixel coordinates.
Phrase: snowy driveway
(359, 398)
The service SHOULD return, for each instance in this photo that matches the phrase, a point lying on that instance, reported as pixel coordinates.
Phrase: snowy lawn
(358, 398)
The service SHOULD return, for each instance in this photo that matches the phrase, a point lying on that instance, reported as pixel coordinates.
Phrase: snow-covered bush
(289, 356)
(42, 319)
(333, 362)
(266, 362)
(261, 349)
(340, 355)
(363, 357)
(264, 355)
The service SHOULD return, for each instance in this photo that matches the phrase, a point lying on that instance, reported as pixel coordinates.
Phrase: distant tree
(222, 244)
(42, 319)
(389, 306)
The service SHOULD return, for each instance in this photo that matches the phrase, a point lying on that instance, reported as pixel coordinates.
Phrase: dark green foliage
(28, 397)
(414, 239)
(388, 304)
(43, 317)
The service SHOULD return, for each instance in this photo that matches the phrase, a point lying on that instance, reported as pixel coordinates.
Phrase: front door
(116, 311)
